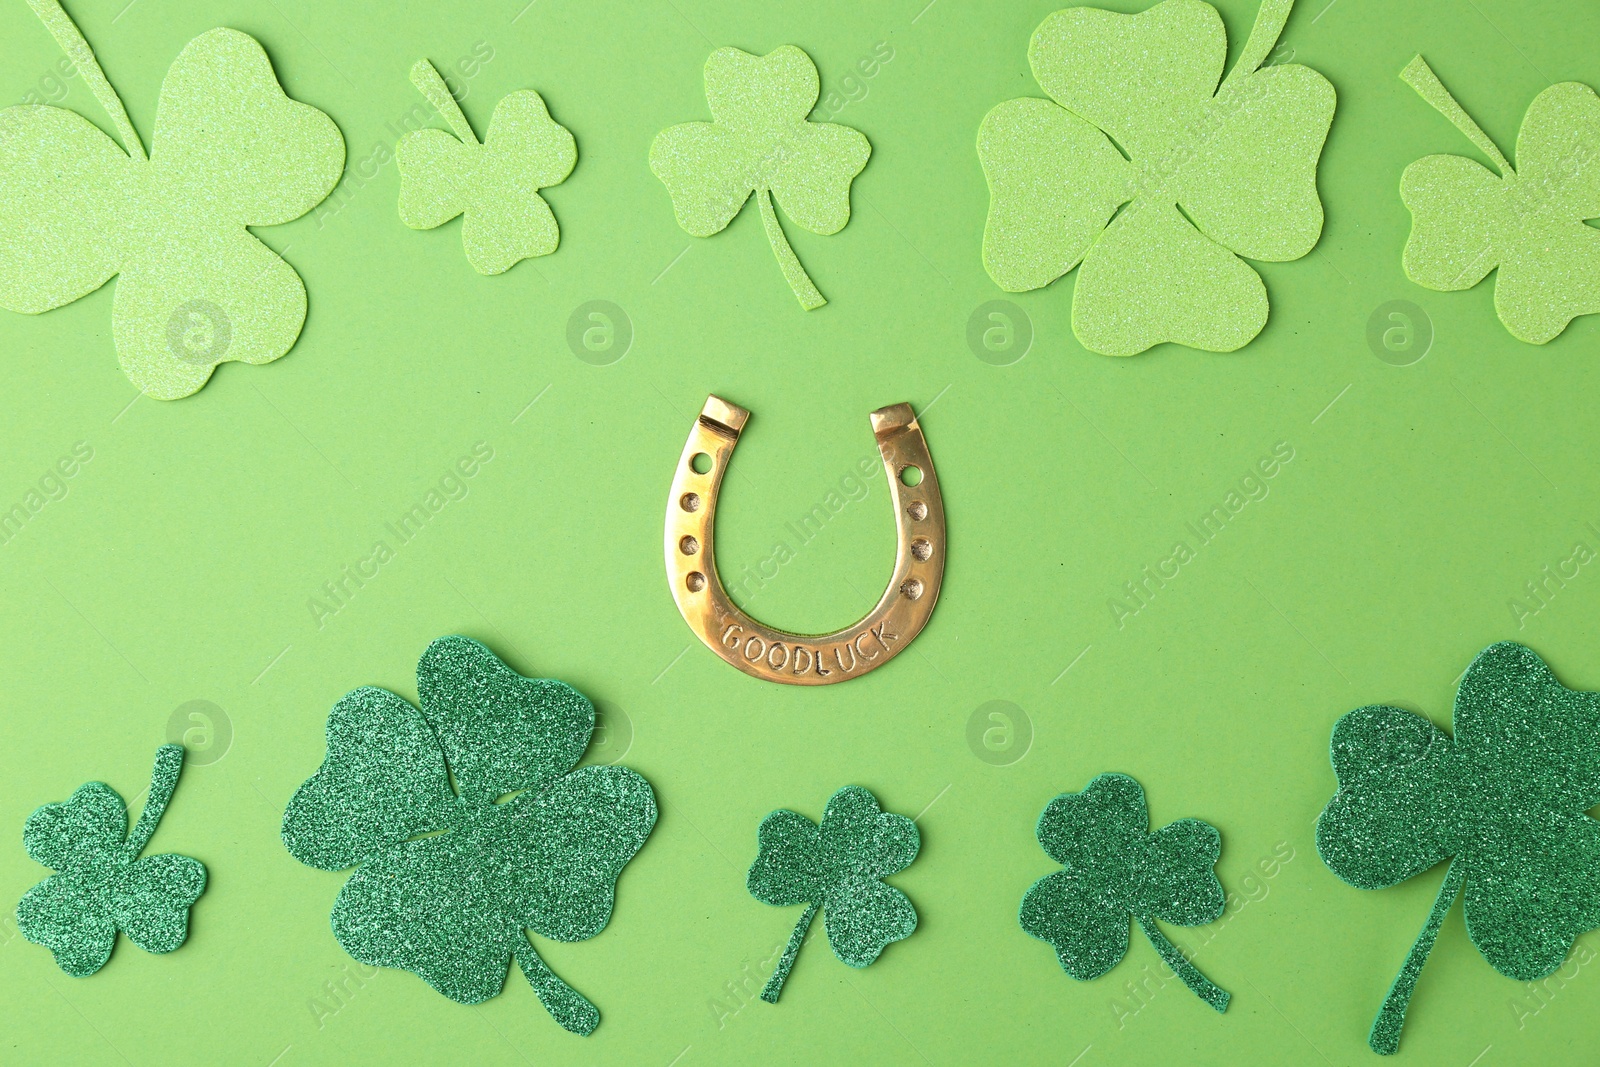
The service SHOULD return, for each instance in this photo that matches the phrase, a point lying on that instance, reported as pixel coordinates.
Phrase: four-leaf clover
(1528, 222)
(102, 885)
(1114, 868)
(452, 906)
(838, 868)
(495, 185)
(194, 287)
(1503, 801)
(762, 143)
(1212, 173)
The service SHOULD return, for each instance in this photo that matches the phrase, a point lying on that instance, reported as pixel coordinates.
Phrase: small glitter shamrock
(102, 884)
(1503, 801)
(1212, 173)
(452, 906)
(837, 867)
(194, 287)
(1114, 867)
(1527, 224)
(762, 143)
(495, 185)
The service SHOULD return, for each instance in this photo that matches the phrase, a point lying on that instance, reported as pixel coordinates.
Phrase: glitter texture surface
(1212, 172)
(194, 287)
(102, 885)
(837, 867)
(760, 142)
(495, 185)
(1504, 801)
(453, 907)
(1527, 223)
(1114, 868)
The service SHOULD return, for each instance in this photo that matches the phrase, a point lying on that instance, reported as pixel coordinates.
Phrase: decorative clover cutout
(194, 287)
(495, 185)
(1527, 223)
(1114, 868)
(452, 906)
(762, 143)
(1212, 173)
(1503, 801)
(102, 884)
(837, 867)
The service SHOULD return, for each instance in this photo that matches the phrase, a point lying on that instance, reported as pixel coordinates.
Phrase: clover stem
(566, 1005)
(1201, 985)
(71, 40)
(1264, 34)
(793, 272)
(781, 972)
(1421, 77)
(1385, 1035)
(163, 780)
(427, 80)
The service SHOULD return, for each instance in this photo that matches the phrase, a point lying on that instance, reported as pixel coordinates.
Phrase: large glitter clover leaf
(194, 287)
(838, 868)
(102, 885)
(494, 185)
(1212, 173)
(448, 879)
(761, 143)
(1114, 868)
(1503, 800)
(1528, 222)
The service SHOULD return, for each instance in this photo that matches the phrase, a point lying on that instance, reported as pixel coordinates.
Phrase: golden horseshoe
(804, 659)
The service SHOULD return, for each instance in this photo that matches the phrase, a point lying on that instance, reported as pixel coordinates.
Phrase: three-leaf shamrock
(1504, 801)
(102, 885)
(838, 868)
(1528, 222)
(194, 287)
(452, 906)
(1113, 868)
(762, 143)
(495, 185)
(1211, 174)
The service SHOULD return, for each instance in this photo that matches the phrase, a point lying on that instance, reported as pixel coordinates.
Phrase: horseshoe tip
(892, 419)
(724, 413)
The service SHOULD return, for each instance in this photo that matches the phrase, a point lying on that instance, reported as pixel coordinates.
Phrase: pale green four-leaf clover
(761, 143)
(838, 868)
(1503, 801)
(452, 906)
(102, 885)
(194, 287)
(1114, 867)
(1212, 173)
(494, 185)
(1528, 223)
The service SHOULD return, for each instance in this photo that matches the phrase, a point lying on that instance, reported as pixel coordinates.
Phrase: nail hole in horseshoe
(916, 509)
(700, 463)
(688, 545)
(911, 588)
(697, 581)
(910, 474)
(689, 502)
(920, 548)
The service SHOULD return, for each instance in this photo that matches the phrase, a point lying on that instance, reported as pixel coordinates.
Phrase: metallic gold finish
(804, 659)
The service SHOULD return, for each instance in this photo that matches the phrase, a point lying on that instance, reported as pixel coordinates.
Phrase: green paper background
(179, 565)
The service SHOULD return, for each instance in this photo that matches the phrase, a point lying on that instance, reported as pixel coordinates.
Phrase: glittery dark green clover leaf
(494, 185)
(1504, 801)
(1215, 169)
(1527, 223)
(102, 885)
(838, 868)
(762, 143)
(1114, 868)
(448, 879)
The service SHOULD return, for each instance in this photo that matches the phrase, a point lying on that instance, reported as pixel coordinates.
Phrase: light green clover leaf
(194, 287)
(494, 185)
(761, 143)
(452, 906)
(837, 867)
(1528, 223)
(1503, 801)
(102, 885)
(1212, 173)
